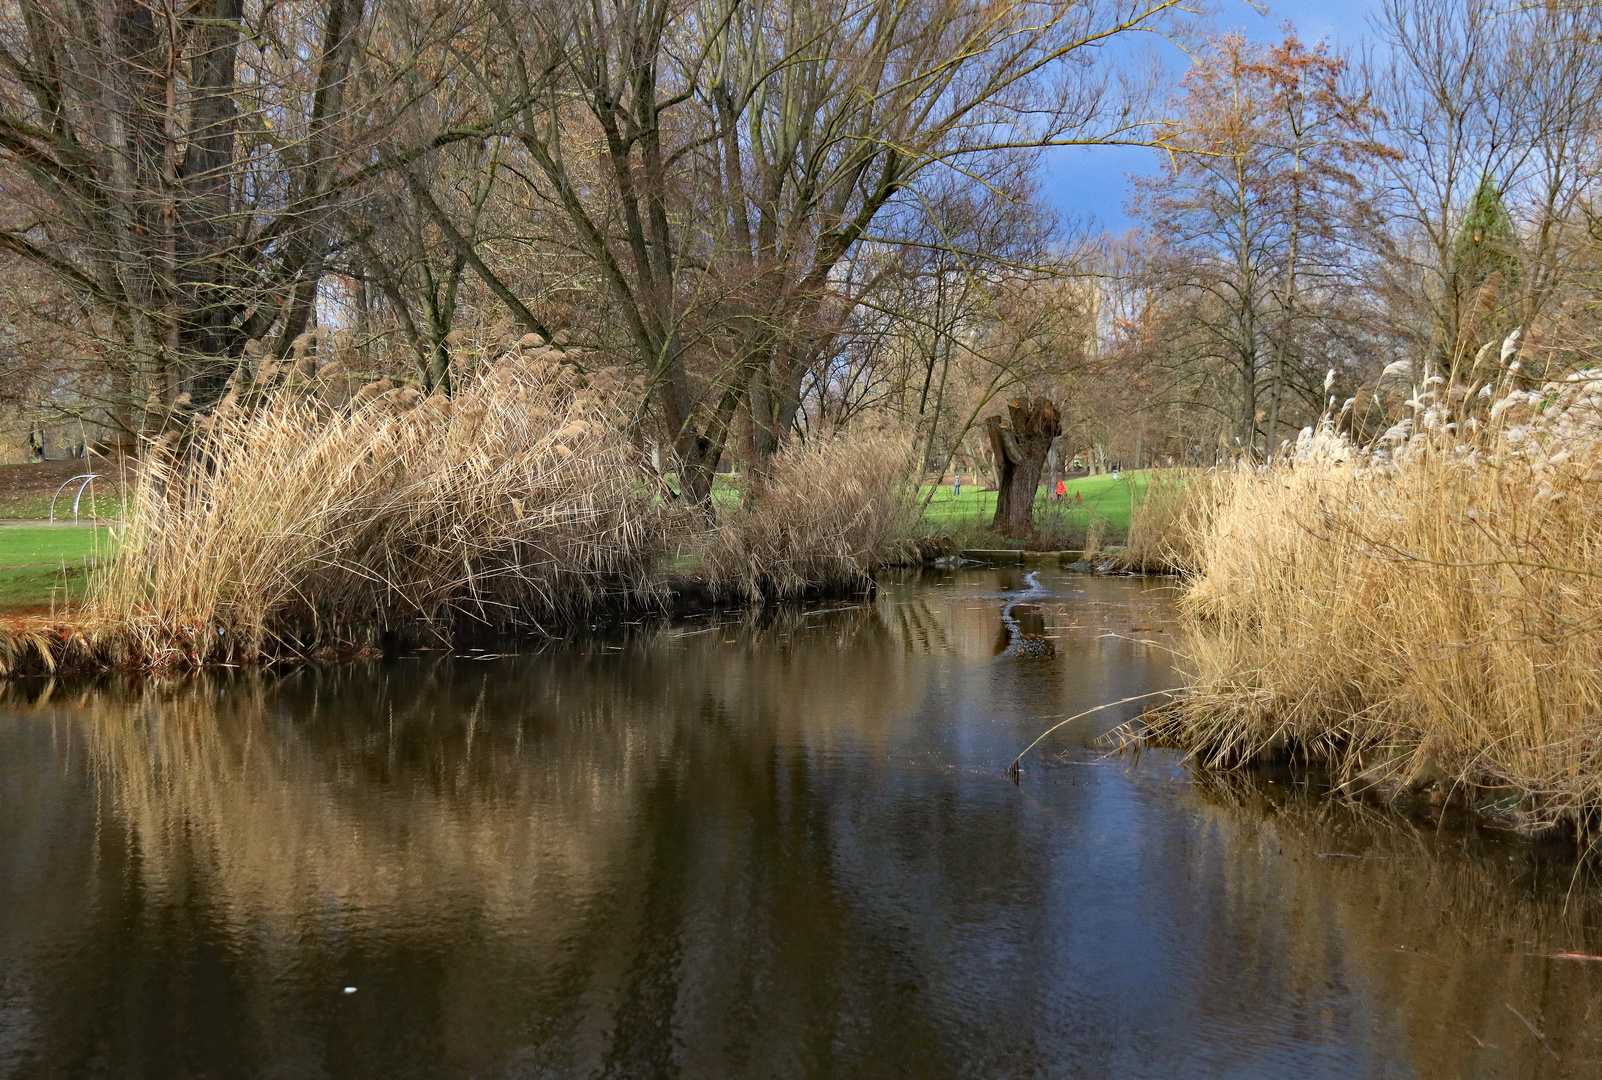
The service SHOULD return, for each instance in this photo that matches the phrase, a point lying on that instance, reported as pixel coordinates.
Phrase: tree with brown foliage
(1260, 219)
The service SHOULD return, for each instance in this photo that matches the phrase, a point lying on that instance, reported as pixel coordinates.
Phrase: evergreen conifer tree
(1485, 270)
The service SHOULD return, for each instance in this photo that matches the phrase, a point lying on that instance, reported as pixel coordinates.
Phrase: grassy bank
(325, 519)
(47, 568)
(1423, 619)
(1104, 504)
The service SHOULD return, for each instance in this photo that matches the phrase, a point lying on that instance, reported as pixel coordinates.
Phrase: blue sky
(1089, 185)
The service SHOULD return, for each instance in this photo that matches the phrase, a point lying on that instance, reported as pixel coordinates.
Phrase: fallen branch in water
(1012, 770)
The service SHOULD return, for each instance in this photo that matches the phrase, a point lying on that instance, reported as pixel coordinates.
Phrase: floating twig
(1012, 770)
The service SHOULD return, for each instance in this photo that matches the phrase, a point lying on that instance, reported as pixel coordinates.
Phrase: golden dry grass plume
(1166, 520)
(830, 512)
(294, 521)
(1421, 614)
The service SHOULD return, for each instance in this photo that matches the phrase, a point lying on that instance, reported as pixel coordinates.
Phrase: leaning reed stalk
(295, 522)
(1425, 616)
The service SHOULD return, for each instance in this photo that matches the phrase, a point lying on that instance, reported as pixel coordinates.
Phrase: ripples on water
(772, 846)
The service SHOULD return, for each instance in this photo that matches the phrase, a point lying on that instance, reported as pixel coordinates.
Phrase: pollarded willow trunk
(1021, 443)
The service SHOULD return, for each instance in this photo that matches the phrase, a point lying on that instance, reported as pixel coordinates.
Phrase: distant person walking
(956, 485)
(1062, 489)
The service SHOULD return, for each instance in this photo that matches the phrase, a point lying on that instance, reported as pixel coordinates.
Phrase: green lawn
(38, 563)
(1102, 496)
(105, 504)
(33, 545)
(969, 515)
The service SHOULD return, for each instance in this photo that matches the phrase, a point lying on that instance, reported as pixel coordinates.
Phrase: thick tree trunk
(698, 452)
(698, 464)
(1020, 444)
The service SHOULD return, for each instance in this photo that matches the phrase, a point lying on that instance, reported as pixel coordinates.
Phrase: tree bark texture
(1020, 443)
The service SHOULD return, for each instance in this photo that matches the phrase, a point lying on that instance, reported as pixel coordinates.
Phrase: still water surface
(777, 846)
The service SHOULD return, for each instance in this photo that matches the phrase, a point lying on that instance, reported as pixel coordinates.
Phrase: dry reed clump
(294, 523)
(828, 514)
(1166, 520)
(1419, 617)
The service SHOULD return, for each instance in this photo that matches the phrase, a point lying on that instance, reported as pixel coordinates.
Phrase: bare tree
(400, 249)
(1260, 215)
(716, 164)
(181, 166)
(1486, 104)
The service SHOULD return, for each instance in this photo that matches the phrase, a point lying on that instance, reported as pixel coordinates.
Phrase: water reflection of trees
(560, 849)
(743, 845)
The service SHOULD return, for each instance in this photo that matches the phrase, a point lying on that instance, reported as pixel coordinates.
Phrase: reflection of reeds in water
(551, 858)
(535, 827)
(1468, 929)
(389, 793)
(491, 844)
(289, 818)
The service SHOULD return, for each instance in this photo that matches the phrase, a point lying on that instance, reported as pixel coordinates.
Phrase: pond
(777, 845)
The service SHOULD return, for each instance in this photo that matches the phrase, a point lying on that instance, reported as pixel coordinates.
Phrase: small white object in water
(350, 989)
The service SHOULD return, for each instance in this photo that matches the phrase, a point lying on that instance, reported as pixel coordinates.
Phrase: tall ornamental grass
(1166, 519)
(303, 518)
(828, 513)
(1422, 614)
(292, 521)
